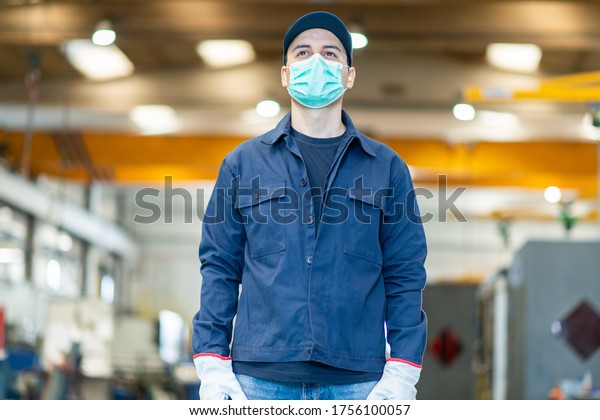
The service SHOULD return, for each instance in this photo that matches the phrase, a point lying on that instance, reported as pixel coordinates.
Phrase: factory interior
(115, 117)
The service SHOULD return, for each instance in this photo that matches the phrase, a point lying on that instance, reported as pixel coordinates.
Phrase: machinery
(540, 322)
(447, 372)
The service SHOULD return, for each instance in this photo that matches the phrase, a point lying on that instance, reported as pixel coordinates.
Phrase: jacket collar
(282, 131)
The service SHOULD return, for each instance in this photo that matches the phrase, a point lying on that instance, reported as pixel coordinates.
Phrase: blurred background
(114, 119)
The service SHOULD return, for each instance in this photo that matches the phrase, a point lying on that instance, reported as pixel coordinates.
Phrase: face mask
(316, 82)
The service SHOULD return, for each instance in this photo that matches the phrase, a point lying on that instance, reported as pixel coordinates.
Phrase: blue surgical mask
(316, 82)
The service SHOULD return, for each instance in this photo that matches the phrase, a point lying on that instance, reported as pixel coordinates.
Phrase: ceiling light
(155, 119)
(104, 33)
(225, 52)
(552, 194)
(504, 120)
(515, 57)
(463, 112)
(359, 40)
(267, 108)
(97, 62)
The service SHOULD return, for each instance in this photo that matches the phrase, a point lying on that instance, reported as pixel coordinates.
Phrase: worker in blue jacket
(313, 247)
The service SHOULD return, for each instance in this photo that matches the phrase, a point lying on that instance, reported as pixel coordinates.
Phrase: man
(320, 226)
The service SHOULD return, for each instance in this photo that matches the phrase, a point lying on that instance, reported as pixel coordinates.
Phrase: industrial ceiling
(421, 57)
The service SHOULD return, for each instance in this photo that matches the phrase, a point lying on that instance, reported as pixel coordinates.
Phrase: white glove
(397, 383)
(217, 380)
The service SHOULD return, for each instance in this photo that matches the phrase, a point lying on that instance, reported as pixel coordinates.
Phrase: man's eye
(330, 54)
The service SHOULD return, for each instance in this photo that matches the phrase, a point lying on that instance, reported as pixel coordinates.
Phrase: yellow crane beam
(125, 158)
(579, 87)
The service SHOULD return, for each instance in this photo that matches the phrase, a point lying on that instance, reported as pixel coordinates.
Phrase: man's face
(318, 41)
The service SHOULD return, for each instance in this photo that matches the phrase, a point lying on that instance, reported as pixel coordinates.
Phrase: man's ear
(351, 77)
(285, 76)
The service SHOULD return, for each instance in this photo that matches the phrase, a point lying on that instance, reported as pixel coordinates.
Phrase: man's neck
(318, 123)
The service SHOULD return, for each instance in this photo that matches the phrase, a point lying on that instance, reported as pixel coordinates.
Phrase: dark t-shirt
(318, 155)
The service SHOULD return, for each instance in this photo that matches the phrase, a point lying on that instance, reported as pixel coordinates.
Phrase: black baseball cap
(323, 20)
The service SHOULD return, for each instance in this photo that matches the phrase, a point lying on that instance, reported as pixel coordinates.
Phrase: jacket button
(309, 259)
(257, 195)
(309, 220)
(303, 182)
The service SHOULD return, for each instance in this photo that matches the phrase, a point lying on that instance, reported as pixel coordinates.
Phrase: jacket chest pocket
(258, 208)
(365, 214)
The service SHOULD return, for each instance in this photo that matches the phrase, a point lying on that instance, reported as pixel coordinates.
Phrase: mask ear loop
(349, 78)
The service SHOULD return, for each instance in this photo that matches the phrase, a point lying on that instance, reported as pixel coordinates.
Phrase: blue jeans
(262, 389)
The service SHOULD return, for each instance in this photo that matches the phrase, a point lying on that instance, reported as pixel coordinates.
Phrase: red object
(446, 347)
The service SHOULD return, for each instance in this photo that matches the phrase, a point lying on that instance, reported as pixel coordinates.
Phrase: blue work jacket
(308, 296)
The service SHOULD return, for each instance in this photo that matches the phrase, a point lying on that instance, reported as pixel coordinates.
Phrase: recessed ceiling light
(225, 52)
(155, 119)
(268, 108)
(463, 112)
(104, 33)
(552, 194)
(359, 40)
(515, 57)
(97, 62)
(503, 120)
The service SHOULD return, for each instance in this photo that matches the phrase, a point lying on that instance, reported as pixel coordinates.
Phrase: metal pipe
(31, 199)
(500, 354)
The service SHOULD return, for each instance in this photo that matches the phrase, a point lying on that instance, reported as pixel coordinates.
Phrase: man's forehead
(317, 36)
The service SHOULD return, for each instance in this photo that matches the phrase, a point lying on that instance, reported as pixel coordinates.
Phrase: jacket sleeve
(404, 251)
(221, 255)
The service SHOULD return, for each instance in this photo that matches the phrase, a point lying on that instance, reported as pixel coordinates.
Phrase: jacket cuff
(407, 362)
(218, 356)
